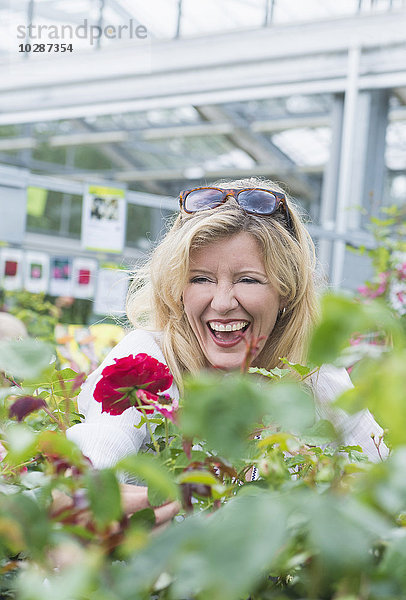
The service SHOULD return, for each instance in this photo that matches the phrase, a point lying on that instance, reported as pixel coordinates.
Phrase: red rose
(120, 385)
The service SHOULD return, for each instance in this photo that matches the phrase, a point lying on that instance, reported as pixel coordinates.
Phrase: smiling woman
(236, 267)
(238, 251)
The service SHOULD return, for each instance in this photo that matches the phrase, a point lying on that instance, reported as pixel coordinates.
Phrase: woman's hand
(135, 498)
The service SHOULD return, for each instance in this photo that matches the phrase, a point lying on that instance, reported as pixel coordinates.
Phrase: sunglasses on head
(255, 201)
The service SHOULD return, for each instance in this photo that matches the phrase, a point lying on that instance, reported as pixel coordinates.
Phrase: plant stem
(153, 440)
(49, 413)
(166, 432)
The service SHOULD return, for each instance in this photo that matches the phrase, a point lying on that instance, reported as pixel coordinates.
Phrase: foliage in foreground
(320, 522)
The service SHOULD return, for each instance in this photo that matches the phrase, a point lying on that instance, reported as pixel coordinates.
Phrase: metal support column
(344, 198)
(179, 19)
(330, 182)
(374, 173)
(269, 8)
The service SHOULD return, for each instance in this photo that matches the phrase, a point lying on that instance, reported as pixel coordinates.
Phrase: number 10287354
(45, 48)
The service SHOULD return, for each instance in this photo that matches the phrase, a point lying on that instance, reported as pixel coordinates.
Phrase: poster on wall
(11, 269)
(84, 273)
(36, 272)
(60, 277)
(111, 292)
(104, 218)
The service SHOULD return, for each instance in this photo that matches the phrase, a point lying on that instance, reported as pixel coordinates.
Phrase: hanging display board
(104, 218)
(60, 281)
(11, 269)
(111, 292)
(84, 272)
(36, 272)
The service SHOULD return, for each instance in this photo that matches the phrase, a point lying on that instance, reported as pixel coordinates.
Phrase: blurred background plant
(40, 313)
(388, 258)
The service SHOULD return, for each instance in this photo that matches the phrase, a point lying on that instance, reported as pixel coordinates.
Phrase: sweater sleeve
(353, 430)
(105, 438)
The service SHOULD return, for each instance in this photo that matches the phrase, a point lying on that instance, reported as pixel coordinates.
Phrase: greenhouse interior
(111, 111)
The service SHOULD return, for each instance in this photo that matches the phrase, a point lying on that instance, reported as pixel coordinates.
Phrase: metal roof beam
(264, 152)
(300, 58)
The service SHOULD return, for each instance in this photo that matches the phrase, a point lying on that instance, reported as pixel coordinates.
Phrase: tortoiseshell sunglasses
(255, 201)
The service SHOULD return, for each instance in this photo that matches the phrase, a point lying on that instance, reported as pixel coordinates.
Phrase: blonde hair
(155, 296)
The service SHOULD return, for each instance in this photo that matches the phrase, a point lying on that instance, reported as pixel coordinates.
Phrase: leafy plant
(320, 522)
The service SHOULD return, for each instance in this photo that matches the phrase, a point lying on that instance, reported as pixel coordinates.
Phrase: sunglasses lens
(202, 200)
(258, 201)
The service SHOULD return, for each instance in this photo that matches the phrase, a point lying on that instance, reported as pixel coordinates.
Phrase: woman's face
(228, 293)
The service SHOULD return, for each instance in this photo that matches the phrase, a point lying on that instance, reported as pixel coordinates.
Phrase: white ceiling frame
(309, 58)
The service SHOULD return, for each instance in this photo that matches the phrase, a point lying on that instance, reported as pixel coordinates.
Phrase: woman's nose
(223, 299)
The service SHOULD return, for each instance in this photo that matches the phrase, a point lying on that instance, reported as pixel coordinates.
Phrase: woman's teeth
(228, 326)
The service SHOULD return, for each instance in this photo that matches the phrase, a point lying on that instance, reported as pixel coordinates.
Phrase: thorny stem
(251, 350)
(66, 398)
(310, 373)
(153, 440)
(166, 432)
(11, 380)
(377, 444)
(61, 425)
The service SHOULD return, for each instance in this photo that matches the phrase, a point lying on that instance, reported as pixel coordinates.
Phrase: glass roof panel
(306, 147)
(158, 16)
(282, 107)
(213, 16)
(297, 10)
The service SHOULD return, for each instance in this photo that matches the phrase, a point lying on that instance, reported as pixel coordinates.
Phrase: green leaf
(33, 520)
(222, 411)
(286, 441)
(342, 317)
(303, 370)
(143, 518)
(218, 558)
(342, 532)
(104, 495)
(275, 373)
(393, 562)
(204, 477)
(151, 472)
(385, 484)
(322, 432)
(55, 442)
(25, 359)
(380, 387)
(75, 581)
(290, 405)
(21, 443)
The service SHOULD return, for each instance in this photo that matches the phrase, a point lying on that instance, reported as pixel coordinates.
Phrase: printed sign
(104, 218)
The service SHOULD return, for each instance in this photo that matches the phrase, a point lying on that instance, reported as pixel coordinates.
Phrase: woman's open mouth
(227, 333)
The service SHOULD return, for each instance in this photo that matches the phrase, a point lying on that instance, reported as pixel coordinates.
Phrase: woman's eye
(248, 280)
(199, 280)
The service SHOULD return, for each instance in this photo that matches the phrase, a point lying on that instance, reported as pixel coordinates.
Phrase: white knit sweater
(105, 438)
